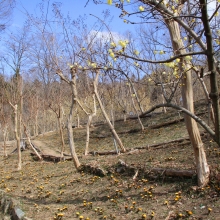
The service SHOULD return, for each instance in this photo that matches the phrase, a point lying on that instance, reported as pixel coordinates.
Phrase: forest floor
(48, 190)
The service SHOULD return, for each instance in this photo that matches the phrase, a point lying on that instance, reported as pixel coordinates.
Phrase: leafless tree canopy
(6, 7)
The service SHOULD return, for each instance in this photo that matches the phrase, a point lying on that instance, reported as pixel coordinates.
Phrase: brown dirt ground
(48, 190)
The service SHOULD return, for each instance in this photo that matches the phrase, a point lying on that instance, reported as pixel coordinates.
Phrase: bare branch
(196, 118)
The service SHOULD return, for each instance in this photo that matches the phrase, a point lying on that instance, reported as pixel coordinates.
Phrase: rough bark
(214, 95)
(187, 96)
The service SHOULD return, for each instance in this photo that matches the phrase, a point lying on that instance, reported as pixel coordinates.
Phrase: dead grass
(49, 190)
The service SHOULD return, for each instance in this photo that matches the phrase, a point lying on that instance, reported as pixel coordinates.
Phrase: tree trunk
(187, 95)
(16, 131)
(71, 141)
(139, 120)
(125, 116)
(214, 94)
(61, 135)
(72, 84)
(118, 140)
(163, 101)
(208, 99)
(78, 120)
(88, 126)
(36, 120)
(70, 120)
(136, 95)
(29, 141)
(4, 139)
(20, 106)
(44, 118)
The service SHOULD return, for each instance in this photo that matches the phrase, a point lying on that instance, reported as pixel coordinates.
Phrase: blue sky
(76, 8)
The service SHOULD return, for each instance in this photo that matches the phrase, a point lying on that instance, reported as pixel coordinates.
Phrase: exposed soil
(49, 190)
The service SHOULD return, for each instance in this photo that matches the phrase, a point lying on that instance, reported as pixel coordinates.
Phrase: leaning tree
(177, 18)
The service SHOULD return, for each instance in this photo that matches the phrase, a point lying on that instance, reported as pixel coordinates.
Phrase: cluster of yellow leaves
(122, 1)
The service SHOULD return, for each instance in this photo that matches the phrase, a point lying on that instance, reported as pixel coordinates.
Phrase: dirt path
(45, 149)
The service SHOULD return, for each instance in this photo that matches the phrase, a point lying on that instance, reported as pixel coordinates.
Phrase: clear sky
(75, 8)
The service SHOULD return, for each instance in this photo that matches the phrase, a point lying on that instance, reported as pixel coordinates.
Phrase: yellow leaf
(113, 44)
(112, 55)
(141, 8)
(109, 2)
(188, 58)
(136, 52)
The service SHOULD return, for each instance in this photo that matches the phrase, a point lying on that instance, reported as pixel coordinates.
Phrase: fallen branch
(52, 158)
(173, 173)
(187, 112)
(122, 167)
(96, 153)
(135, 175)
(35, 150)
(29, 141)
(64, 154)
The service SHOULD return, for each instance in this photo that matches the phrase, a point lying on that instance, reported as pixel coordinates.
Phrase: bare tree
(5, 114)
(72, 84)
(56, 106)
(6, 8)
(115, 135)
(171, 15)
